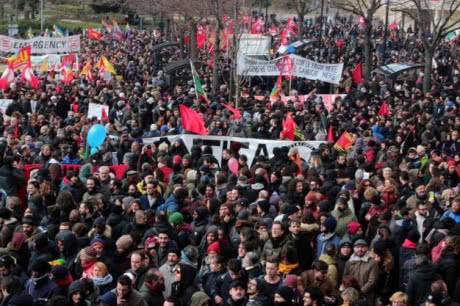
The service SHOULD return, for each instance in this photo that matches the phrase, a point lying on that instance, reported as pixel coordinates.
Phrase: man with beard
(76, 294)
(153, 287)
(364, 268)
(343, 215)
(125, 293)
(168, 269)
(137, 227)
(326, 236)
(92, 191)
(344, 173)
(237, 294)
(419, 196)
(29, 227)
(235, 273)
(115, 189)
(88, 214)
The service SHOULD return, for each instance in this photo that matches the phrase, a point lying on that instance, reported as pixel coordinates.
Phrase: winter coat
(448, 266)
(199, 226)
(134, 298)
(324, 239)
(69, 240)
(170, 206)
(308, 279)
(224, 282)
(152, 298)
(419, 283)
(18, 299)
(44, 288)
(365, 269)
(185, 288)
(302, 244)
(343, 218)
(11, 179)
(209, 282)
(332, 272)
(273, 247)
(168, 274)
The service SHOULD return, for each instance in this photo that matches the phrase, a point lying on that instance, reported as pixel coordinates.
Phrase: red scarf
(88, 265)
(409, 244)
(64, 282)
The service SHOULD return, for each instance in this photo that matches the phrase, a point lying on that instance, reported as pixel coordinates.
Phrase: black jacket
(448, 267)
(420, 283)
(11, 179)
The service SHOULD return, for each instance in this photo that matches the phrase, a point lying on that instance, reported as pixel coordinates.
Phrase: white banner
(290, 65)
(50, 62)
(250, 147)
(95, 110)
(254, 44)
(42, 45)
(4, 103)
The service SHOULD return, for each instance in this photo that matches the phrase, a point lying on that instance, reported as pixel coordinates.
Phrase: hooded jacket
(185, 288)
(199, 225)
(70, 242)
(273, 246)
(343, 218)
(43, 288)
(366, 270)
(199, 298)
(420, 283)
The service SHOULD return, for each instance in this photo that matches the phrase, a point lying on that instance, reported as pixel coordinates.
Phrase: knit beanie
(330, 223)
(60, 272)
(264, 205)
(290, 281)
(76, 286)
(287, 293)
(97, 241)
(176, 218)
(124, 242)
(214, 247)
(109, 299)
(353, 227)
(89, 252)
(174, 251)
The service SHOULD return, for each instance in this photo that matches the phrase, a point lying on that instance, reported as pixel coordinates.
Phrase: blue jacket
(145, 202)
(170, 206)
(322, 240)
(44, 288)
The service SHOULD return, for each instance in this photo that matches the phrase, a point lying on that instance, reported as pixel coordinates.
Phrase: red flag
(16, 130)
(330, 134)
(288, 128)
(383, 110)
(393, 26)
(104, 115)
(7, 77)
(200, 37)
(357, 74)
(235, 112)
(344, 142)
(340, 44)
(191, 121)
(75, 108)
(29, 77)
(93, 34)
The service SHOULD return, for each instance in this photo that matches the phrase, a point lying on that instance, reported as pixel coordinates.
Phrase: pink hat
(177, 159)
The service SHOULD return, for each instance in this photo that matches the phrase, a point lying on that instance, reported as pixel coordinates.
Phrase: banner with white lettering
(250, 147)
(290, 65)
(41, 45)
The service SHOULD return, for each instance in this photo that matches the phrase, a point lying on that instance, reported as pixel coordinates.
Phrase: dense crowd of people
(375, 224)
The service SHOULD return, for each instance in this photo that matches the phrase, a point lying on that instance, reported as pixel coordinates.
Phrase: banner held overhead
(41, 45)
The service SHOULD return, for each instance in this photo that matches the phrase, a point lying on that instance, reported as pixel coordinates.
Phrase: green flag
(86, 156)
(200, 94)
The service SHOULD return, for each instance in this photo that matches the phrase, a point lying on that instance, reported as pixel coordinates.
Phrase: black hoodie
(185, 288)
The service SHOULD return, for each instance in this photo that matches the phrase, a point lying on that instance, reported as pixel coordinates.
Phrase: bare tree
(434, 20)
(366, 9)
(302, 8)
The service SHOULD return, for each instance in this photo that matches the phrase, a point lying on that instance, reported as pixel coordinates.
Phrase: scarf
(101, 281)
(88, 265)
(409, 244)
(283, 268)
(64, 282)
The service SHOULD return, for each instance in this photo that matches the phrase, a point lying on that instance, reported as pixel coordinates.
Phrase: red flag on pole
(235, 112)
(357, 74)
(16, 130)
(289, 126)
(330, 134)
(191, 121)
(383, 110)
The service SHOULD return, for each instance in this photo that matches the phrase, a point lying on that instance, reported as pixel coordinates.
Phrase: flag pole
(290, 82)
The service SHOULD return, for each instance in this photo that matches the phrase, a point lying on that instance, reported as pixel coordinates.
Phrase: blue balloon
(94, 151)
(96, 135)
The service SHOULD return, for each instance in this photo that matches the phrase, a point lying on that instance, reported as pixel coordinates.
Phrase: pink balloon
(233, 165)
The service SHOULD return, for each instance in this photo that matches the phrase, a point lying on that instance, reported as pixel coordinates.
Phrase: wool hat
(60, 272)
(151, 242)
(345, 243)
(177, 159)
(290, 281)
(187, 157)
(174, 250)
(275, 198)
(89, 252)
(125, 242)
(237, 284)
(380, 247)
(264, 205)
(41, 266)
(176, 218)
(5, 213)
(109, 299)
(214, 247)
(287, 293)
(99, 221)
(242, 181)
(360, 242)
(97, 241)
(199, 298)
(330, 223)
(353, 227)
(290, 209)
